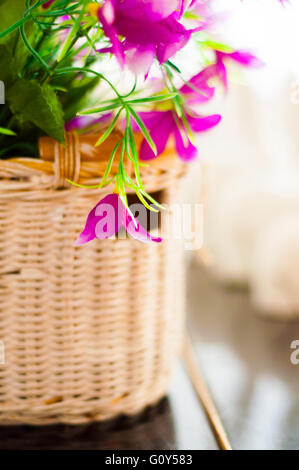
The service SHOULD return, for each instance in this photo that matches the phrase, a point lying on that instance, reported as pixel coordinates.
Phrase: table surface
(245, 359)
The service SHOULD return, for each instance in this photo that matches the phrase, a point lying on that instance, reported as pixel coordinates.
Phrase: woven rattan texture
(89, 332)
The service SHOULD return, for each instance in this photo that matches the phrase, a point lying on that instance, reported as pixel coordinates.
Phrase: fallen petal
(103, 221)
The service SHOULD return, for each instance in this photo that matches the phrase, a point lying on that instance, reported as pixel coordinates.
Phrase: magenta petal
(140, 59)
(149, 28)
(205, 92)
(146, 10)
(84, 237)
(111, 33)
(200, 83)
(246, 58)
(150, 118)
(201, 124)
(86, 122)
(103, 221)
(171, 36)
(138, 232)
(222, 73)
(160, 125)
(186, 150)
(183, 6)
(242, 57)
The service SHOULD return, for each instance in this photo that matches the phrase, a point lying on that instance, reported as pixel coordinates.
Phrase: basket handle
(80, 152)
(67, 158)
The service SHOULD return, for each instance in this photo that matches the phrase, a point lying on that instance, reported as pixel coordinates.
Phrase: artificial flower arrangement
(91, 333)
(53, 55)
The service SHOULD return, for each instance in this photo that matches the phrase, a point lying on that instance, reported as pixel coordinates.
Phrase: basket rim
(25, 174)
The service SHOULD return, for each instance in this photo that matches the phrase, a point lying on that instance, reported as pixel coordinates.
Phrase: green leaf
(78, 95)
(109, 130)
(31, 49)
(38, 104)
(5, 131)
(101, 109)
(72, 34)
(11, 11)
(153, 99)
(7, 72)
(143, 129)
(144, 202)
(11, 18)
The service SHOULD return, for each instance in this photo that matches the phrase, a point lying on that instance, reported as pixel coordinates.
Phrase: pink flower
(200, 7)
(87, 123)
(163, 125)
(241, 57)
(150, 28)
(198, 89)
(107, 217)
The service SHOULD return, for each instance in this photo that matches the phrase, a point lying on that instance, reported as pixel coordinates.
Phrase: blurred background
(250, 164)
(243, 284)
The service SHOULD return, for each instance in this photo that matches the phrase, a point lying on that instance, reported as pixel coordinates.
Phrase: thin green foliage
(48, 59)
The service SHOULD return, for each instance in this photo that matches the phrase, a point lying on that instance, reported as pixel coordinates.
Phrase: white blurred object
(251, 194)
(274, 273)
(251, 177)
(241, 202)
(252, 233)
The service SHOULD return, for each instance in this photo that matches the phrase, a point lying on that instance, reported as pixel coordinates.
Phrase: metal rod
(205, 396)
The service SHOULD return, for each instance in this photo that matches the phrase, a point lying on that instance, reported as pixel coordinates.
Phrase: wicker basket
(89, 332)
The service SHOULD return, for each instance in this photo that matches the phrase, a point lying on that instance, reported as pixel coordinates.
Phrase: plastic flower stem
(173, 66)
(109, 130)
(132, 89)
(23, 20)
(144, 202)
(32, 50)
(72, 34)
(106, 174)
(5, 131)
(143, 129)
(108, 169)
(152, 200)
(186, 82)
(170, 87)
(132, 145)
(67, 70)
(101, 109)
(153, 99)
